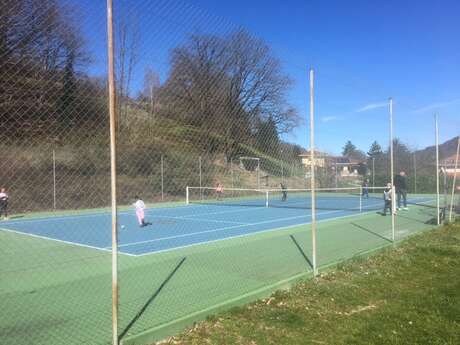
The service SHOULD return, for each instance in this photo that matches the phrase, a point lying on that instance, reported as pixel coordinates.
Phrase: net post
(113, 171)
(266, 198)
(437, 168)
(454, 181)
(393, 199)
(187, 195)
(312, 175)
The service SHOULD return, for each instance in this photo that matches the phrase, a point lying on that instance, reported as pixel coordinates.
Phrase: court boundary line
(203, 220)
(104, 249)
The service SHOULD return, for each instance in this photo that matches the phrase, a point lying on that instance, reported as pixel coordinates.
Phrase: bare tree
(40, 39)
(228, 84)
(127, 57)
(150, 89)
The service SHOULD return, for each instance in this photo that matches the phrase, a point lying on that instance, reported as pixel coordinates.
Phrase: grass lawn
(404, 295)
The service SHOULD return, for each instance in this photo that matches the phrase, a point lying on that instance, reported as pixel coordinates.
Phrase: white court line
(62, 241)
(201, 219)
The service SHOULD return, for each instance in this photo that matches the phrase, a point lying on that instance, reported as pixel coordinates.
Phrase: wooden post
(113, 172)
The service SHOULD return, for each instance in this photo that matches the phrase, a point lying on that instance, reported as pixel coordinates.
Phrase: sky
(362, 52)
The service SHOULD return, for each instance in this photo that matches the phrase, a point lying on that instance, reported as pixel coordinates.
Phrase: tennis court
(193, 261)
(206, 221)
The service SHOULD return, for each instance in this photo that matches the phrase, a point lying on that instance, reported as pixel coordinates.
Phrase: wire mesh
(200, 102)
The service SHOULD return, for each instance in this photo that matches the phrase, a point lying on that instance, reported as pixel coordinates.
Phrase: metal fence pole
(54, 179)
(437, 168)
(454, 181)
(312, 175)
(162, 178)
(199, 167)
(393, 195)
(113, 171)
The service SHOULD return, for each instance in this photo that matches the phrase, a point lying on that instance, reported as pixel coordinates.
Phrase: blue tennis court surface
(175, 227)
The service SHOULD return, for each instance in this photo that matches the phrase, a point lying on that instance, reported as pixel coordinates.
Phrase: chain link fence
(200, 102)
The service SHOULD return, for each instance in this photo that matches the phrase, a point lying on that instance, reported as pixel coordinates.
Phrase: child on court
(140, 207)
(387, 197)
(219, 191)
(3, 203)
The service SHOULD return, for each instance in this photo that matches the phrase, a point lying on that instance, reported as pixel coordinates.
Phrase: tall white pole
(454, 181)
(162, 178)
(393, 194)
(54, 179)
(437, 168)
(113, 171)
(312, 174)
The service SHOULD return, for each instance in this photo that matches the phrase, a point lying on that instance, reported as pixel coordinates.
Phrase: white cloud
(372, 106)
(435, 106)
(329, 118)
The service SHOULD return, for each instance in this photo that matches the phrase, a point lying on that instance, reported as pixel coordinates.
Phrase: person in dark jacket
(283, 191)
(401, 189)
(3, 203)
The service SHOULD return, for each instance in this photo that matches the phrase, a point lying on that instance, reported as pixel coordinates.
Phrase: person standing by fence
(3, 203)
(401, 189)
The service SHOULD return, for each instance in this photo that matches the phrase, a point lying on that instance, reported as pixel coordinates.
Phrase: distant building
(345, 167)
(449, 165)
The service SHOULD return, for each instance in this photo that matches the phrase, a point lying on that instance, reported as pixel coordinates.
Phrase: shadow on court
(370, 231)
(150, 300)
(301, 251)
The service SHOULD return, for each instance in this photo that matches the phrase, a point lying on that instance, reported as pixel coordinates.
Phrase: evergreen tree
(375, 150)
(349, 149)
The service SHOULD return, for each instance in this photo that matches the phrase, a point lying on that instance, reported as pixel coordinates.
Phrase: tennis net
(349, 198)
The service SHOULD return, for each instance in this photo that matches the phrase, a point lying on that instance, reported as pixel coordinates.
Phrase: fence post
(54, 179)
(162, 179)
(113, 171)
